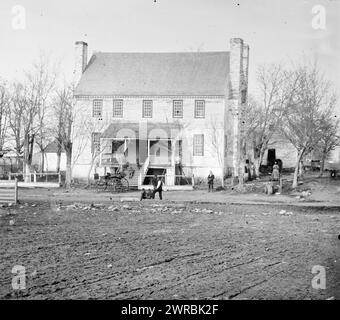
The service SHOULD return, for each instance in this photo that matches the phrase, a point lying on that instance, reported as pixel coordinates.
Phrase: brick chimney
(80, 60)
(238, 97)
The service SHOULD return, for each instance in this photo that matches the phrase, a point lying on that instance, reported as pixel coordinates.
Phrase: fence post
(59, 178)
(34, 177)
(280, 185)
(193, 180)
(9, 176)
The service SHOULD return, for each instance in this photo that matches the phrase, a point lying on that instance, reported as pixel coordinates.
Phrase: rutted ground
(163, 250)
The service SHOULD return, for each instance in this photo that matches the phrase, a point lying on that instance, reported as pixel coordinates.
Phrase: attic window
(177, 109)
(118, 108)
(97, 110)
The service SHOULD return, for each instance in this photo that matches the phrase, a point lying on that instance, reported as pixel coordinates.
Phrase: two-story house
(173, 114)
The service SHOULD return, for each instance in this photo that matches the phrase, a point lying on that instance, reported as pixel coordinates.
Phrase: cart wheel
(122, 185)
(126, 184)
(111, 185)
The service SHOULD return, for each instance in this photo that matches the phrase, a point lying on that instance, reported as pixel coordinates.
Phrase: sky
(277, 31)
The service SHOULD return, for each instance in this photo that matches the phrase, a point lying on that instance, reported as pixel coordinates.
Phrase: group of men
(157, 187)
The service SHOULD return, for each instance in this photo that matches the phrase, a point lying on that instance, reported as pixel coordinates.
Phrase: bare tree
(64, 112)
(263, 116)
(29, 99)
(217, 143)
(304, 122)
(330, 138)
(4, 113)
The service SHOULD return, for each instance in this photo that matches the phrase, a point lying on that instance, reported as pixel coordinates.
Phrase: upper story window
(95, 142)
(118, 108)
(97, 110)
(199, 109)
(198, 145)
(147, 108)
(177, 111)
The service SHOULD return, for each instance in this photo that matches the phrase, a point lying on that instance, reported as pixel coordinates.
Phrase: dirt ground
(167, 250)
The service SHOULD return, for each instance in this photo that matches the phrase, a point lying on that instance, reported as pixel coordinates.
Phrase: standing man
(159, 188)
(211, 178)
(154, 183)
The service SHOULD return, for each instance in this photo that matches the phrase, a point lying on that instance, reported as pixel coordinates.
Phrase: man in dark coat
(159, 188)
(154, 183)
(211, 178)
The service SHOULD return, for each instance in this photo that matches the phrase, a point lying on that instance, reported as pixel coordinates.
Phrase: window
(177, 109)
(97, 110)
(147, 108)
(199, 109)
(118, 108)
(198, 145)
(95, 142)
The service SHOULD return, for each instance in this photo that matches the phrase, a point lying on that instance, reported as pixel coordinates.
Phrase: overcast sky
(276, 30)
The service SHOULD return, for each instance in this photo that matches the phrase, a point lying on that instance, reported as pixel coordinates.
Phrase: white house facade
(174, 114)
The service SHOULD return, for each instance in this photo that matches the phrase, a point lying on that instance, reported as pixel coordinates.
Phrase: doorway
(271, 157)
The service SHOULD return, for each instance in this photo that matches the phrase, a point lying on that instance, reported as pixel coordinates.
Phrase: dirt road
(160, 250)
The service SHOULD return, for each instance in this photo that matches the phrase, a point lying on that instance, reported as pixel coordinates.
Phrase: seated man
(150, 194)
(143, 195)
(146, 194)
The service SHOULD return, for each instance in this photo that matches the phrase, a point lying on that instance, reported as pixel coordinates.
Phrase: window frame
(201, 154)
(143, 108)
(95, 113)
(196, 107)
(114, 114)
(173, 108)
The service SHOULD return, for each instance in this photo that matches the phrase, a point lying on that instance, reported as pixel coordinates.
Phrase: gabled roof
(52, 147)
(196, 73)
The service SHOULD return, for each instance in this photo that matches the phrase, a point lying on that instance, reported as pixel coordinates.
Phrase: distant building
(51, 158)
(165, 113)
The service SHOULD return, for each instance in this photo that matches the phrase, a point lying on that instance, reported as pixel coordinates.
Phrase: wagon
(112, 183)
(333, 168)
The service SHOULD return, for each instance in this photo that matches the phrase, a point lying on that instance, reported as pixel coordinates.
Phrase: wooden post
(59, 178)
(280, 185)
(193, 180)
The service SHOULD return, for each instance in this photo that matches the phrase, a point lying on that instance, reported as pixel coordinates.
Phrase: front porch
(142, 159)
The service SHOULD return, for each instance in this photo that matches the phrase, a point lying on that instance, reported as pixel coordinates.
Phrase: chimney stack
(238, 96)
(80, 60)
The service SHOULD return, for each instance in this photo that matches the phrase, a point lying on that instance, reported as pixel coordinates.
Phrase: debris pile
(285, 213)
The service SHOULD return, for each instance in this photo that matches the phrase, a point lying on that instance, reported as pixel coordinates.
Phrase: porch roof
(141, 131)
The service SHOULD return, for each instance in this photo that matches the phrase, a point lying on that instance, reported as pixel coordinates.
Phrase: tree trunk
(258, 161)
(296, 171)
(68, 168)
(58, 159)
(89, 173)
(26, 167)
(42, 161)
(27, 172)
(222, 181)
(322, 165)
